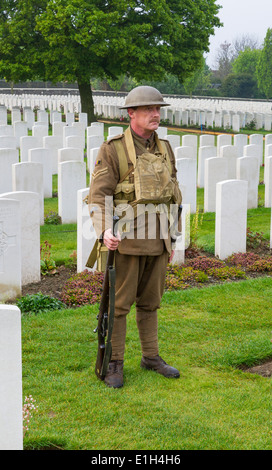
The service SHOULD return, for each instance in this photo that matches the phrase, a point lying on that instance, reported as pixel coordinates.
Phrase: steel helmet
(144, 96)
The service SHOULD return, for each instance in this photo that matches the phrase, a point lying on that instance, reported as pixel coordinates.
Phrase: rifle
(106, 315)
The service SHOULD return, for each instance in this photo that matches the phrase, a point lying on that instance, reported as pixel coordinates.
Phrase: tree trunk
(87, 103)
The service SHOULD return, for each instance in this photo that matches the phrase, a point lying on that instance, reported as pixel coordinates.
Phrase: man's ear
(131, 112)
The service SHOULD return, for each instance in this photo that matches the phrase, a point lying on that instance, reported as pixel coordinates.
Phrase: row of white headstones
(229, 170)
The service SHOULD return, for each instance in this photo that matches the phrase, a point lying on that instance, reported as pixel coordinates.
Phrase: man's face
(144, 120)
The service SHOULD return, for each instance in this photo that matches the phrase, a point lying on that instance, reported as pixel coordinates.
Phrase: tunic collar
(146, 143)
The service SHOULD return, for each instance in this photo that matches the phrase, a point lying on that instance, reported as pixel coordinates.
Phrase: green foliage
(264, 67)
(255, 239)
(52, 218)
(37, 303)
(242, 85)
(77, 39)
(246, 62)
(48, 265)
(206, 333)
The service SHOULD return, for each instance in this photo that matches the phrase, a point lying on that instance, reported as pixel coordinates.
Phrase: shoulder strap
(163, 150)
(123, 164)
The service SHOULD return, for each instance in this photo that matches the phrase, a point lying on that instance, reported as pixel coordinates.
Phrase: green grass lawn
(207, 333)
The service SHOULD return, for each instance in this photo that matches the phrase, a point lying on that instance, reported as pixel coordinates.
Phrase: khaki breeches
(139, 279)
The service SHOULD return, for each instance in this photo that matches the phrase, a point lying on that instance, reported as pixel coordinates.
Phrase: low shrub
(251, 262)
(47, 263)
(226, 272)
(82, 289)
(52, 218)
(190, 274)
(35, 303)
(254, 239)
(204, 263)
(243, 259)
(261, 265)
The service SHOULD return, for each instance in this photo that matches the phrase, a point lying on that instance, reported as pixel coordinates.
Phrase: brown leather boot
(114, 376)
(159, 365)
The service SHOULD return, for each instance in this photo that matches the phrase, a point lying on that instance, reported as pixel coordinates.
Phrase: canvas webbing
(123, 164)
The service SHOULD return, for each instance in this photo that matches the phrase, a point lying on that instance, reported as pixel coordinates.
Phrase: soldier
(127, 170)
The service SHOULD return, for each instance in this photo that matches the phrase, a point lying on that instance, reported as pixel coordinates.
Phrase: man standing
(135, 169)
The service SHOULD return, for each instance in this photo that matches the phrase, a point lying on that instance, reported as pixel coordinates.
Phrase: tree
(241, 85)
(77, 39)
(199, 80)
(246, 62)
(244, 42)
(224, 60)
(20, 46)
(264, 67)
(245, 69)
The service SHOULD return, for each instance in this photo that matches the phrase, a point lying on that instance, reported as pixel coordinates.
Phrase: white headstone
(206, 140)
(11, 403)
(248, 169)
(190, 141)
(114, 130)
(71, 178)
(231, 218)
(42, 116)
(68, 153)
(271, 231)
(75, 141)
(254, 150)
(69, 118)
(186, 176)
(29, 118)
(239, 141)
(30, 233)
(7, 158)
(45, 157)
(174, 140)
(184, 152)
(6, 130)
(268, 182)
(53, 142)
(8, 141)
(216, 170)
(15, 115)
(10, 249)
(26, 143)
(230, 152)
(223, 139)
(95, 130)
(204, 153)
(28, 176)
(92, 159)
(236, 124)
(162, 132)
(39, 131)
(86, 235)
(20, 130)
(57, 128)
(3, 114)
(83, 118)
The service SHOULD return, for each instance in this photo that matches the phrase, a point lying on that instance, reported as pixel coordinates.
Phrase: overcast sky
(240, 17)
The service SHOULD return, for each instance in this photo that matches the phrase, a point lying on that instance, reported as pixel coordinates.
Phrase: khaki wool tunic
(106, 176)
